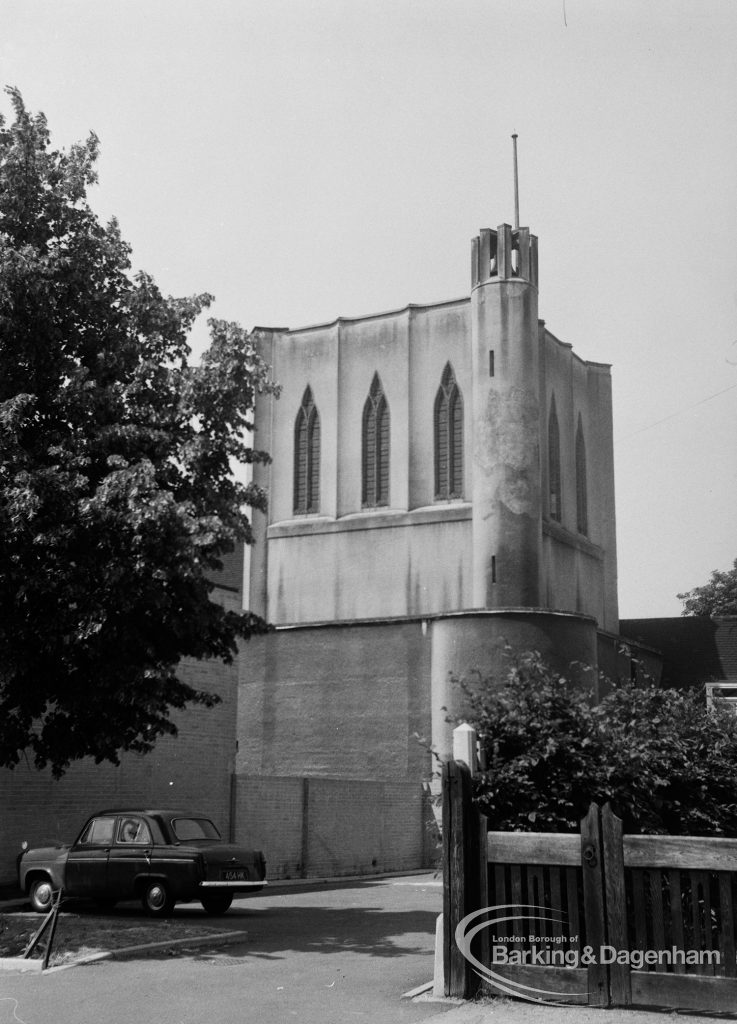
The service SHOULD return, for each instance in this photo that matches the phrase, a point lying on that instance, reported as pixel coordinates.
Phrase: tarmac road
(315, 955)
(328, 954)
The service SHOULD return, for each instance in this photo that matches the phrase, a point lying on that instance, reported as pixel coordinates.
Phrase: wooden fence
(598, 918)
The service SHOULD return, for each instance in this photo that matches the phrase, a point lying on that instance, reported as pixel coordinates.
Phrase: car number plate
(234, 876)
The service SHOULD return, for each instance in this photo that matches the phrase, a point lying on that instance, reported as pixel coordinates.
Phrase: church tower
(506, 420)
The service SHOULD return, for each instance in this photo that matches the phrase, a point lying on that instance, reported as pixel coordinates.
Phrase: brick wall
(315, 826)
(230, 576)
(344, 701)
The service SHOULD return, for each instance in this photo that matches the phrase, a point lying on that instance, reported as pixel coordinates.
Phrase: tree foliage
(666, 762)
(716, 598)
(117, 499)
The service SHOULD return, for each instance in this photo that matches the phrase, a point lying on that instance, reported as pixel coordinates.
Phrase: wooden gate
(596, 918)
(673, 897)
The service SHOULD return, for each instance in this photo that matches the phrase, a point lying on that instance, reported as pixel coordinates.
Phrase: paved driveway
(327, 955)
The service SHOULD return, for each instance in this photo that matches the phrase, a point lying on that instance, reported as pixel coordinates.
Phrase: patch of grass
(82, 934)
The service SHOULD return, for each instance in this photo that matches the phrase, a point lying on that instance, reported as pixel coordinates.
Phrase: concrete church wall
(579, 572)
(416, 556)
(478, 644)
(409, 349)
(332, 565)
(376, 607)
(382, 564)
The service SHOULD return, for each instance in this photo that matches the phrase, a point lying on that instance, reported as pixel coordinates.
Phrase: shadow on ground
(277, 926)
(278, 932)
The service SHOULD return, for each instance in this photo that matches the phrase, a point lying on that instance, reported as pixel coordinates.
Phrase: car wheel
(41, 895)
(217, 902)
(157, 900)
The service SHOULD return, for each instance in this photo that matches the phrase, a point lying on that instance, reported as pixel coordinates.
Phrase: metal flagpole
(516, 183)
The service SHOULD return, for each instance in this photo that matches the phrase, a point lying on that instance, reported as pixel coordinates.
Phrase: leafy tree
(717, 597)
(117, 500)
(666, 762)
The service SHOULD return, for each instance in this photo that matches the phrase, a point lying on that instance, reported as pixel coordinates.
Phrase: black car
(157, 856)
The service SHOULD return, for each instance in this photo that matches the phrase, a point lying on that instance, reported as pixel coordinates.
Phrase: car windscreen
(188, 829)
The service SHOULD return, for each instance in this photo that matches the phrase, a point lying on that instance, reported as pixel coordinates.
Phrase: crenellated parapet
(503, 255)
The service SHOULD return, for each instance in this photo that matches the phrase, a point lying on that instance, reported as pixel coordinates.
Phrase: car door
(130, 856)
(87, 861)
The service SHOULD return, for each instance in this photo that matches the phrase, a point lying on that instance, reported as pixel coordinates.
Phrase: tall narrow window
(375, 452)
(307, 456)
(448, 437)
(554, 494)
(582, 502)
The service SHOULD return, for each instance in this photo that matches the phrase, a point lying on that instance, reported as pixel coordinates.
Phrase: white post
(465, 746)
(438, 980)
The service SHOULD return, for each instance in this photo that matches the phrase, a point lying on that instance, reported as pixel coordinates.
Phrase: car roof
(154, 812)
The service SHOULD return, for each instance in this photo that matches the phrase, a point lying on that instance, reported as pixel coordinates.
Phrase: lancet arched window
(448, 437)
(554, 492)
(307, 456)
(375, 447)
(582, 502)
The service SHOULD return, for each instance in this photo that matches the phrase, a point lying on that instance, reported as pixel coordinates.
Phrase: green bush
(667, 763)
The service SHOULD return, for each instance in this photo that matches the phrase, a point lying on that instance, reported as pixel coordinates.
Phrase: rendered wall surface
(316, 566)
(580, 572)
(380, 565)
(476, 646)
(496, 547)
(506, 444)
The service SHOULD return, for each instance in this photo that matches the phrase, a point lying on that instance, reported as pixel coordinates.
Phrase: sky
(308, 159)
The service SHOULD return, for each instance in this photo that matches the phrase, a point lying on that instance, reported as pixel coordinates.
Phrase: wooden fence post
(620, 986)
(461, 874)
(593, 902)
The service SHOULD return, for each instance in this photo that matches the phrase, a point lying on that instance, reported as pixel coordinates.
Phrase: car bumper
(233, 885)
